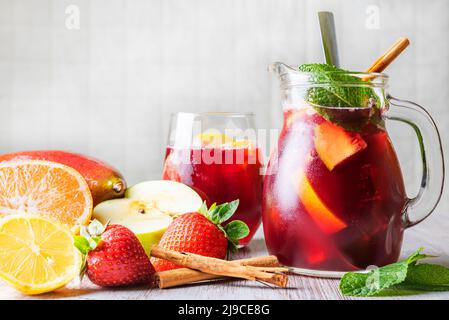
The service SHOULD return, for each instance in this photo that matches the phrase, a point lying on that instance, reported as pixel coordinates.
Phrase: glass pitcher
(334, 198)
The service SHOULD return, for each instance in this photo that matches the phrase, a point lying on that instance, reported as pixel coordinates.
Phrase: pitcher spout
(279, 69)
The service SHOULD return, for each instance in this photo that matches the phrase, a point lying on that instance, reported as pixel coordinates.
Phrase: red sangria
(335, 201)
(221, 169)
(334, 197)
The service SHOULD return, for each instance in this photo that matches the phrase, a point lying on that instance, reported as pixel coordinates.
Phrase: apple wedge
(148, 208)
(147, 222)
(169, 197)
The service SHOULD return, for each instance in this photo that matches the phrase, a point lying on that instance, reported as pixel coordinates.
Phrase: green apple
(147, 223)
(148, 209)
(170, 197)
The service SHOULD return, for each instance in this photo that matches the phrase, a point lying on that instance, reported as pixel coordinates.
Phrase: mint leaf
(334, 90)
(337, 88)
(375, 281)
(427, 277)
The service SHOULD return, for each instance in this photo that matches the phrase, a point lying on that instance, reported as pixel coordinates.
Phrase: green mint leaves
(235, 230)
(337, 88)
(401, 278)
(426, 277)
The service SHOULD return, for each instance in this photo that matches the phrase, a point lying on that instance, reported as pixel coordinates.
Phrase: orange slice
(318, 211)
(334, 144)
(45, 188)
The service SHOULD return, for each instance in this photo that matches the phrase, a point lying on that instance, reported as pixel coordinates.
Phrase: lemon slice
(212, 139)
(37, 255)
(217, 139)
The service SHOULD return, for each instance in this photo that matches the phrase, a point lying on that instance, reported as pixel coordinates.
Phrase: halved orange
(45, 188)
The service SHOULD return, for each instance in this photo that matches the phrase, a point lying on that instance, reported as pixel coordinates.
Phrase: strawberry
(201, 233)
(114, 256)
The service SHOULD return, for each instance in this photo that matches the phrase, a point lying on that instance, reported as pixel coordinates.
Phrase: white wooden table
(432, 234)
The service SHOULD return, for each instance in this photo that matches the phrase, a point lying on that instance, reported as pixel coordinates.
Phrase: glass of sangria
(216, 154)
(334, 198)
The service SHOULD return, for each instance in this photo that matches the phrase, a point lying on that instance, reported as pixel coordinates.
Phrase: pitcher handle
(432, 181)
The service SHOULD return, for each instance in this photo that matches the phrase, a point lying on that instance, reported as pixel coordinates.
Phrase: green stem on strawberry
(218, 214)
(88, 240)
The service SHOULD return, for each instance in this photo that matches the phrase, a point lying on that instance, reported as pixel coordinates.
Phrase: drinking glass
(216, 154)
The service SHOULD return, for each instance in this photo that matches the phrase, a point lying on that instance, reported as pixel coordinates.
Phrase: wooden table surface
(431, 234)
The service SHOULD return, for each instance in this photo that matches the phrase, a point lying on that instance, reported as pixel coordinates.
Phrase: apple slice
(318, 211)
(171, 197)
(147, 222)
(334, 144)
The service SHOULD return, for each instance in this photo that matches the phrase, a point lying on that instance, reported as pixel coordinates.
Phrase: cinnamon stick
(384, 60)
(182, 276)
(221, 267)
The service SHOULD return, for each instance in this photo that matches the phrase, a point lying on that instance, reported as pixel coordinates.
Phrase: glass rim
(292, 77)
(215, 114)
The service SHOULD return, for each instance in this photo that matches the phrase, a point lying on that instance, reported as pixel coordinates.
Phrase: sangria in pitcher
(334, 196)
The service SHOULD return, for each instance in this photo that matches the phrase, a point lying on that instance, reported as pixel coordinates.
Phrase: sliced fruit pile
(44, 205)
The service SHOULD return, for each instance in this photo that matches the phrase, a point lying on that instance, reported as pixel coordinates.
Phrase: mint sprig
(336, 89)
(400, 278)
(218, 214)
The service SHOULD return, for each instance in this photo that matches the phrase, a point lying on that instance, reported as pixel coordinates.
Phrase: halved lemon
(45, 188)
(37, 254)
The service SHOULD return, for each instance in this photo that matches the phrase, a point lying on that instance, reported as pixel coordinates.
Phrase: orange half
(45, 188)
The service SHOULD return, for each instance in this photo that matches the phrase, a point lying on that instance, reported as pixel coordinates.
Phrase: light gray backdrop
(107, 88)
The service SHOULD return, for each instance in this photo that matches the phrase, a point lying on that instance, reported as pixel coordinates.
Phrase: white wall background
(108, 88)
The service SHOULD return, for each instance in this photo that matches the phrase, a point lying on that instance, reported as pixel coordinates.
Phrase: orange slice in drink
(334, 144)
(318, 211)
(45, 188)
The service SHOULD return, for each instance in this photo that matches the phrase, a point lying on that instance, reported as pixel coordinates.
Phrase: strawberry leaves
(234, 231)
(89, 237)
(218, 214)
(88, 240)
